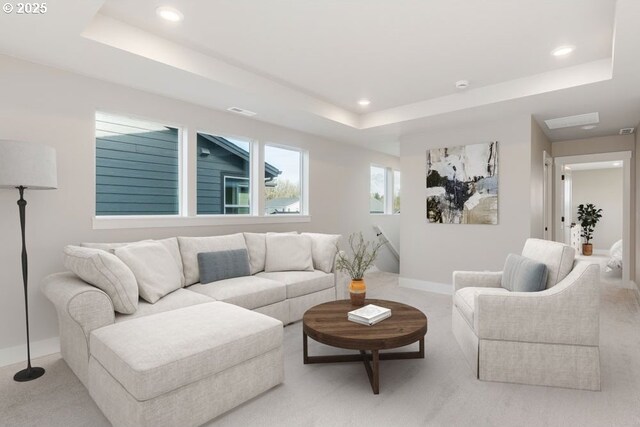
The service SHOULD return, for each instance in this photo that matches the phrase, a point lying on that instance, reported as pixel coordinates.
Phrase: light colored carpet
(437, 391)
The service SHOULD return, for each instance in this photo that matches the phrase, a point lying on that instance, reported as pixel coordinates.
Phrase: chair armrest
(481, 279)
(86, 305)
(567, 313)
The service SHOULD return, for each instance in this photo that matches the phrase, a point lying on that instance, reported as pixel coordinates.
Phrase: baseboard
(424, 285)
(17, 354)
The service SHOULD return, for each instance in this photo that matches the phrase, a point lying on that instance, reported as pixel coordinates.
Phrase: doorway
(603, 180)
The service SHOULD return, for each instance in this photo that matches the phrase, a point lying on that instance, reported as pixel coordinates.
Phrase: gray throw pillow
(221, 265)
(522, 274)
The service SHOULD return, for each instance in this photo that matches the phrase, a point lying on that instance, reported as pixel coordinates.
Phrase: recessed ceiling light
(563, 50)
(462, 84)
(364, 102)
(169, 14)
(589, 127)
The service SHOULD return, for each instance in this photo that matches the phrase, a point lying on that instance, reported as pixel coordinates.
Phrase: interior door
(547, 196)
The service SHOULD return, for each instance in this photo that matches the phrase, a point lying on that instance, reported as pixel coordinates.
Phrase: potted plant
(588, 217)
(363, 254)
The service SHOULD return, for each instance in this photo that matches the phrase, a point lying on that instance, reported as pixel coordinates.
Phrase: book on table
(369, 314)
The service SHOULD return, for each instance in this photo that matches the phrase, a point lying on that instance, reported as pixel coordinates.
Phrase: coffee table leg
(375, 384)
(305, 353)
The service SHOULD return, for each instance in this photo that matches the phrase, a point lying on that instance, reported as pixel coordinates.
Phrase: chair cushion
(107, 272)
(465, 300)
(323, 250)
(175, 300)
(156, 272)
(248, 292)
(301, 282)
(522, 274)
(288, 252)
(190, 247)
(156, 354)
(221, 265)
(558, 258)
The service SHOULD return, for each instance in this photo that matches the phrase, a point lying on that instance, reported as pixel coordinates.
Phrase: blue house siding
(136, 167)
(212, 168)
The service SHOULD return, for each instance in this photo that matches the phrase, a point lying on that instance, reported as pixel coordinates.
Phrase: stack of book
(369, 315)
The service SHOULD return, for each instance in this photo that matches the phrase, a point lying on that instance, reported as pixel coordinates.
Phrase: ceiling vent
(626, 131)
(241, 111)
(571, 121)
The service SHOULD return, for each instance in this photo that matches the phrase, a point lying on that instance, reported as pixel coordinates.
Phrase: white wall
(431, 252)
(57, 108)
(539, 144)
(603, 188)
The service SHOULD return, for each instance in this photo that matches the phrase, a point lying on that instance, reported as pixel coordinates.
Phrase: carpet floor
(439, 390)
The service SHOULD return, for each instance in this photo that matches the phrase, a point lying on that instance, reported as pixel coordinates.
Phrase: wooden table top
(327, 323)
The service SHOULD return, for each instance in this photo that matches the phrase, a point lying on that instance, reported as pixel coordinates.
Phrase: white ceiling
(304, 64)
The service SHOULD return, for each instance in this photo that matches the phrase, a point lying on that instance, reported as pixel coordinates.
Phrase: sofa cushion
(156, 272)
(107, 272)
(288, 252)
(249, 292)
(323, 250)
(465, 300)
(257, 249)
(190, 247)
(521, 274)
(171, 244)
(558, 258)
(300, 283)
(221, 265)
(156, 354)
(177, 299)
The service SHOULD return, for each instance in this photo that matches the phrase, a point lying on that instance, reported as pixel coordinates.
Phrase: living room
(344, 109)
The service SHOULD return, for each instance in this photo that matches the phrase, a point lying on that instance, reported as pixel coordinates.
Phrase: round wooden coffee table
(327, 323)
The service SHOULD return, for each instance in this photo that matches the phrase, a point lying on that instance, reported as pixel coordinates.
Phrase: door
(547, 196)
(567, 211)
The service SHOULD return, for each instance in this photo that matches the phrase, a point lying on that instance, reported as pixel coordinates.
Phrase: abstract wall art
(462, 184)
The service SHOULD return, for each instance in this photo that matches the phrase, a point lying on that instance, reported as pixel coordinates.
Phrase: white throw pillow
(288, 252)
(190, 247)
(107, 272)
(323, 250)
(257, 249)
(171, 244)
(154, 268)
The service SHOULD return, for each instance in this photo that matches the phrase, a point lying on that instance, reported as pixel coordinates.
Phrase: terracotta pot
(357, 292)
(587, 249)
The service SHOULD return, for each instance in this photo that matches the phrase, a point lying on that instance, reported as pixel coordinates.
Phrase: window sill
(120, 222)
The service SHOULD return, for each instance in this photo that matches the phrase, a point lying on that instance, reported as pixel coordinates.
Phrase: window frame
(304, 179)
(385, 185)
(389, 183)
(187, 184)
(181, 169)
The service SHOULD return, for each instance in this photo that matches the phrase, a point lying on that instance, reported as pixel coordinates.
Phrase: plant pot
(357, 292)
(587, 249)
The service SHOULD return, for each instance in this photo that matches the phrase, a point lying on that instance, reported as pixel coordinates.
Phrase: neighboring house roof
(281, 202)
(376, 205)
(269, 170)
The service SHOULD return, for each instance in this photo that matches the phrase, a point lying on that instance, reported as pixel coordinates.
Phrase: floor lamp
(27, 166)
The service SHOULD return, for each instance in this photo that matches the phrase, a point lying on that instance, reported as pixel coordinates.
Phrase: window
(236, 195)
(283, 180)
(137, 169)
(377, 190)
(396, 192)
(224, 166)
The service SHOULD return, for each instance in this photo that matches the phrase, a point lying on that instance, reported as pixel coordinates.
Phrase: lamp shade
(24, 164)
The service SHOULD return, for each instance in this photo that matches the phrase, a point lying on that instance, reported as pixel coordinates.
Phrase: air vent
(626, 131)
(571, 121)
(241, 111)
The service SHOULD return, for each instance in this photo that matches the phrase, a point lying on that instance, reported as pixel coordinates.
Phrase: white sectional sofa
(197, 351)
